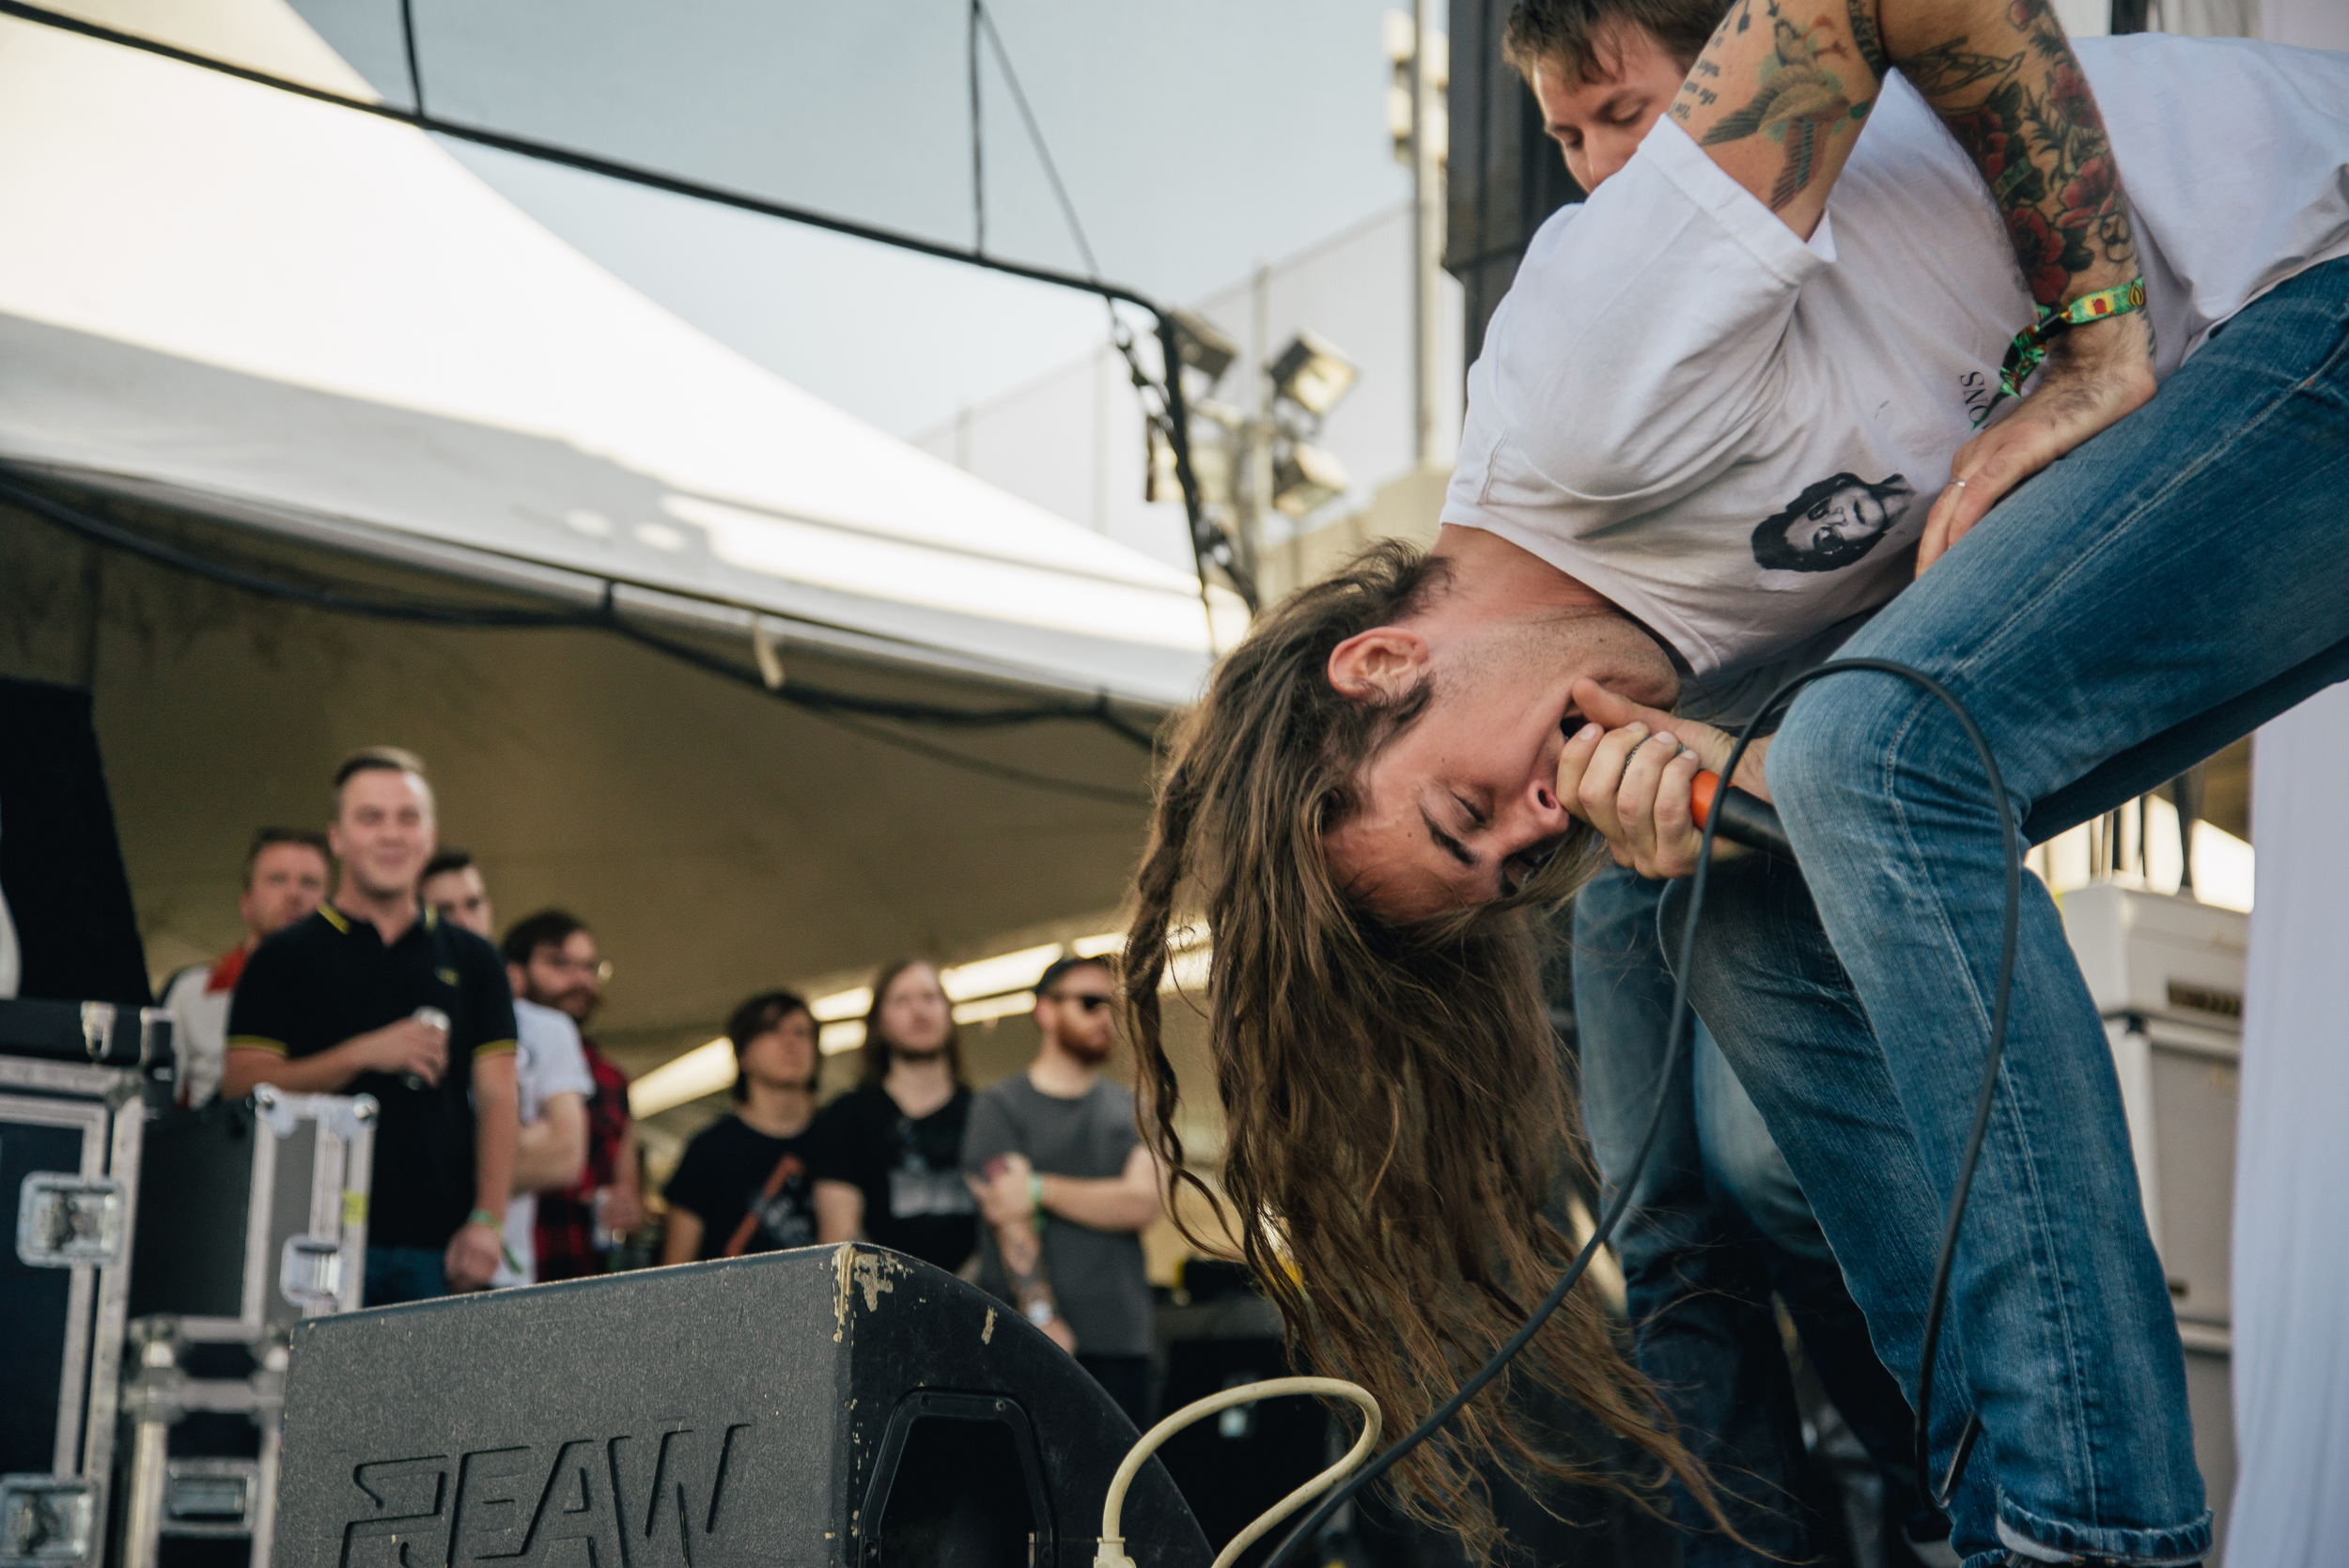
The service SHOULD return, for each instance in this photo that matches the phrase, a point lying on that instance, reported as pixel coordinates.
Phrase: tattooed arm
(1777, 100)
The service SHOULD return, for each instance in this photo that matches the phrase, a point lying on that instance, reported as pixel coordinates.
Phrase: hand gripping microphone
(1746, 819)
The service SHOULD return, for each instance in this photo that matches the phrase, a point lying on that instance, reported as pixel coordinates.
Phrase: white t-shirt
(199, 1025)
(548, 1061)
(1736, 434)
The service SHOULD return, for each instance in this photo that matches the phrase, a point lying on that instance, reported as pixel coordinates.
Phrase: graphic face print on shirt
(926, 1181)
(788, 1218)
(1832, 523)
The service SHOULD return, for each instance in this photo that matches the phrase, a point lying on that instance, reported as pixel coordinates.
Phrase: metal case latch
(45, 1521)
(310, 1273)
(209, 1497)
(63, 1220)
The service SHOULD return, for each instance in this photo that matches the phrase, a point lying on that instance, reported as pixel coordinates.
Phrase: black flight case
(75, 1082)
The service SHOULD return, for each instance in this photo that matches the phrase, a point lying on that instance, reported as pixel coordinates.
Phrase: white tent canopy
(280, 312)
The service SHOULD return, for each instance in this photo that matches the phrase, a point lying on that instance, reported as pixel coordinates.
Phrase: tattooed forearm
(2020, 108)
(1782, 87)
(1800, 100)
(1022, 1254)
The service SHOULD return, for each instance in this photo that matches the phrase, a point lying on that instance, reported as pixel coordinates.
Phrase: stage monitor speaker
(832, 1408)
(61, 874)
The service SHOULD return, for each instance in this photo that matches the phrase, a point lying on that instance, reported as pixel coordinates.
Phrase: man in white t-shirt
(285, 878)
(1700, 443)
(550, 1072)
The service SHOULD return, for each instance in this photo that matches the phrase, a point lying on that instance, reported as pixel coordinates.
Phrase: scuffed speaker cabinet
(836, 1407)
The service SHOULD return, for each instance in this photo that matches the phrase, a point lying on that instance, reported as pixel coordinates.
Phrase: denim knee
(1836, 729)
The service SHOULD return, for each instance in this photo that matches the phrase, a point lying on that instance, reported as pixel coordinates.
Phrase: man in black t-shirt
(901, 1168)
(374, 995)
(888, 1155)
(743, 1185)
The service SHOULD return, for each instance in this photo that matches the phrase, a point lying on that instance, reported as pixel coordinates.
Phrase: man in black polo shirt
(331, 1005)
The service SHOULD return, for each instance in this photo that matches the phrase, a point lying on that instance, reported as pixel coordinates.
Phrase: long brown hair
(876, 1061)
(1394, 1104)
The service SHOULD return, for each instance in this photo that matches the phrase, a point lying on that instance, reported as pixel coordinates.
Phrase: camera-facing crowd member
(1066, 1188)
(285, 878)
(562, 968)
(889, 1153)
(743, 1185)
(550, 1079)
(373, 994)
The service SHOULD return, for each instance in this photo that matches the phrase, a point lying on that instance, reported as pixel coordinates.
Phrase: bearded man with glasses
(1066, 1188)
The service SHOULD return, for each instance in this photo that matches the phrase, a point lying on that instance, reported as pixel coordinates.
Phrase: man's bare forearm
(550, 1153)
(1022, 1252)
(1777, 96)
(1103, 1203)
(625, 1175)
(496, 1125)
(327, 1073)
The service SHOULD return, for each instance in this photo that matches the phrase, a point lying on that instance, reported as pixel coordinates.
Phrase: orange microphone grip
(1746, 819)
(1701, 795)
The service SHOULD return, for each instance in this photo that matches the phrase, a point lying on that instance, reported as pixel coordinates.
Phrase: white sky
(1195, 139)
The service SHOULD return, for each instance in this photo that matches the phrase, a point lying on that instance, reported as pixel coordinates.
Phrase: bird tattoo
(1799, 100)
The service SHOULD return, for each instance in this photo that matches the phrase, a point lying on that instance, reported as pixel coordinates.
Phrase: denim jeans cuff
(2043, 1540)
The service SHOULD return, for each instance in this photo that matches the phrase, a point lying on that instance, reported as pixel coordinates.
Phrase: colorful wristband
(2030, 347)
(1035, 1192)
(483, 1216)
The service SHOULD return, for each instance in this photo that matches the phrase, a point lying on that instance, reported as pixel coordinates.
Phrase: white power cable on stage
(1111, 1553)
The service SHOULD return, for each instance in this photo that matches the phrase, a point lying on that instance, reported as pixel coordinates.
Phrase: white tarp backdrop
(2291, 1163)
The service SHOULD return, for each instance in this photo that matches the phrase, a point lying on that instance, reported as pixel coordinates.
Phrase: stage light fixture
(1306, 477)
(1313, 374)
(1201, 346)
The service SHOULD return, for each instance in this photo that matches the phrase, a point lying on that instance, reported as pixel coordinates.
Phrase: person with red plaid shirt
(567, 1221)
(556, 957)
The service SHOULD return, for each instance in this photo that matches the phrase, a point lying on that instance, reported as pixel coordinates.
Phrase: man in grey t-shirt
(1066, 1188)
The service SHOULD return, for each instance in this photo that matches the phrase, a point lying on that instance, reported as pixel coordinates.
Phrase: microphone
(1746, 819)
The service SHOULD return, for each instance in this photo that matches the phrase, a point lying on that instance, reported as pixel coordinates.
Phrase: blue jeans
(2163, 589)
(398, 1274)
(1716, 1224)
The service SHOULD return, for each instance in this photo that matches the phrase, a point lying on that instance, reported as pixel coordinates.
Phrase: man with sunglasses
(1066, 1188)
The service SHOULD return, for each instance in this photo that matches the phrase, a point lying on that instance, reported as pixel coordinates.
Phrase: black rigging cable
(983, 18)
(1676, 1033)
(1205, 536)
(978, 159)
(408, 37)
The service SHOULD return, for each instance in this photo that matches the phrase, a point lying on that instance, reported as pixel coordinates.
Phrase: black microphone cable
(1951, 1222)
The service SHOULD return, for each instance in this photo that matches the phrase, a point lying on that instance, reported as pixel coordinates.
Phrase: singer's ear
(1382, 665)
